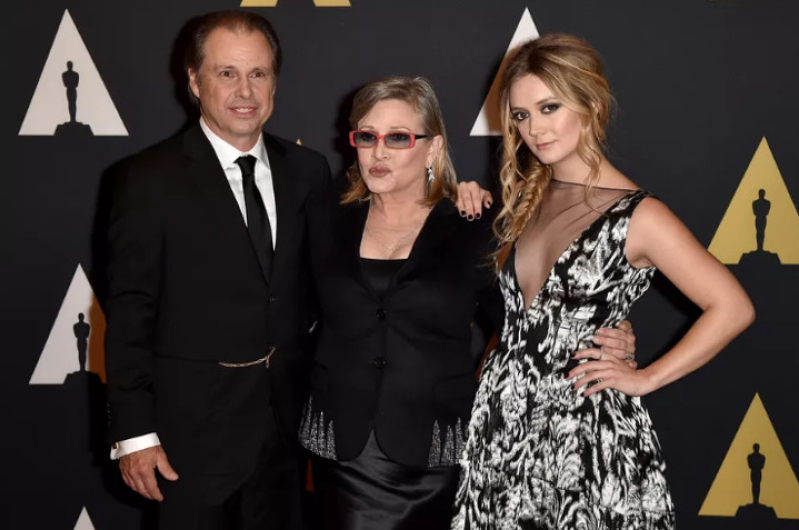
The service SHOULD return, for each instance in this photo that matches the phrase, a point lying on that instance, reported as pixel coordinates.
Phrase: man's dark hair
(232, 20)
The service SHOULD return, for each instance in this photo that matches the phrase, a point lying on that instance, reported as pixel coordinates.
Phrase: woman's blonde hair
(571, 68)
(419, 94)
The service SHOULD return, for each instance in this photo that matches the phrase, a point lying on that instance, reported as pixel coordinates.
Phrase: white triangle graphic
(49, 107)
(60, 355)
(84, 522)
(487, 122)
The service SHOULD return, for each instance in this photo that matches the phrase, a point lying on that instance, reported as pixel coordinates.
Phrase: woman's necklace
(391, 249)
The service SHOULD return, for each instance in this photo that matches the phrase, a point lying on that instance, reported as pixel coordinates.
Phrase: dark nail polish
(478, 216)
(463, 214)
(470, 217)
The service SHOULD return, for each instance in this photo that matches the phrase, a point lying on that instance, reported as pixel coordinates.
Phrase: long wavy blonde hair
(418, 93)
(571, 68)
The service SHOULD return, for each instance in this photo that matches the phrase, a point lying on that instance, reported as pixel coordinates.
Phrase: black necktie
(257, 220)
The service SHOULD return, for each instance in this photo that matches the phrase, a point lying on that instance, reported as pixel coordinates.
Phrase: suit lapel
(206, 173)
(350, 222)
(282, 185)
(436, 229)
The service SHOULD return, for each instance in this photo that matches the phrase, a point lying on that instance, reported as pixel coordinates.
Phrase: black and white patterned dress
(538, 454)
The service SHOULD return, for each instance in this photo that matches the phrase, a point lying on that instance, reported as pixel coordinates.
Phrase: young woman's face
(547, 126)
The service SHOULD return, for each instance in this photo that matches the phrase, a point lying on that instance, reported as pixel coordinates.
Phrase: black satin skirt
(374, 493)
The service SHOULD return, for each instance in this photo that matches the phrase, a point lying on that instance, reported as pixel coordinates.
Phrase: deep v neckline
(575, 241)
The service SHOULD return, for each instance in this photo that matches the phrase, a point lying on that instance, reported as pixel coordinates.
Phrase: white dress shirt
(227, 155)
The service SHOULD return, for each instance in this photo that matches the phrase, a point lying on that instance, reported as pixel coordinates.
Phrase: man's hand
(139, 475)
(472, 199)
(619, 342)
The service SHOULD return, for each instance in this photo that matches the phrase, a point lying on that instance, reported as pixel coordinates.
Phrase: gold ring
(601, 352)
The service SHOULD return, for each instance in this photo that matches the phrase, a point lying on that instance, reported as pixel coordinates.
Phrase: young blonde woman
(554, 443)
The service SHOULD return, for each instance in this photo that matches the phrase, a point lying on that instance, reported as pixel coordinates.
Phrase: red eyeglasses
(392, 140)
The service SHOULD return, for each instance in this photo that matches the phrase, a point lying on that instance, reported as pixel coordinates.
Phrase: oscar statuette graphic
(73, 127)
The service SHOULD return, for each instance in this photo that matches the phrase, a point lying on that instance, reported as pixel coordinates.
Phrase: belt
(264, 360)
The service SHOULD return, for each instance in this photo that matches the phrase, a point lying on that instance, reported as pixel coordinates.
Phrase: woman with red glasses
(400, 278)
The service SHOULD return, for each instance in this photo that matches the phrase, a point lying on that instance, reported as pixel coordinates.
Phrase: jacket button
(272, 299)
(379, 362)
(381, 313)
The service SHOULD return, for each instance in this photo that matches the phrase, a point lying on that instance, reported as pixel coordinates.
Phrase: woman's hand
(609, 372)
(619, 343)
(472, 199)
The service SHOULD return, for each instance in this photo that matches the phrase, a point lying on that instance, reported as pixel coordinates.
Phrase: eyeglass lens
(392, 140)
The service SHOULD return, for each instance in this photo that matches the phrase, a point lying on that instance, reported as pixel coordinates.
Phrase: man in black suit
(208, 310)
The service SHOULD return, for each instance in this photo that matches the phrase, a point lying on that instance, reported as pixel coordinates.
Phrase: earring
(430, 178)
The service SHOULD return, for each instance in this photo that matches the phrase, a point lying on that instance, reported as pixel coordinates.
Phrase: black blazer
(401, 365)
(186, 291)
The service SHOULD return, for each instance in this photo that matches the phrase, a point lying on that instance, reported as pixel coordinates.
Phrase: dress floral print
(538, 454)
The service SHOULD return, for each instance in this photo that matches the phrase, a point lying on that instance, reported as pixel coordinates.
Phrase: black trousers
(269, 499)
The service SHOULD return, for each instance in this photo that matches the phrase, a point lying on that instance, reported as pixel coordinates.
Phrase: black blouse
(380, 272)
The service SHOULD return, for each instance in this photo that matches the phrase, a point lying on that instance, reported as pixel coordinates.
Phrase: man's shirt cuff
(131, 445)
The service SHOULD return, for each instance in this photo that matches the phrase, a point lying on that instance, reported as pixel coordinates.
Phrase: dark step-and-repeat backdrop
(708, 95)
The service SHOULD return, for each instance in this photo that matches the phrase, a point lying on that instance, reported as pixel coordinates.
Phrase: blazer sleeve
(491, 303)
(320, 196)
(135, 240)
(490, 316)
(491, 307)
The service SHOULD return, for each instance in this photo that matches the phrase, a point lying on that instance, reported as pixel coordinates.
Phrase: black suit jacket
(401, 365)
(186, 291)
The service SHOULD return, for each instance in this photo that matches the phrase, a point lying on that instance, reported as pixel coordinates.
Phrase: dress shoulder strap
(629, 202)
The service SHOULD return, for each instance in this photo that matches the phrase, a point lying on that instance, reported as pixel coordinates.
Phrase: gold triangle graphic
(317, 3)
(299, 142)
(737, 235)
(732, 489)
